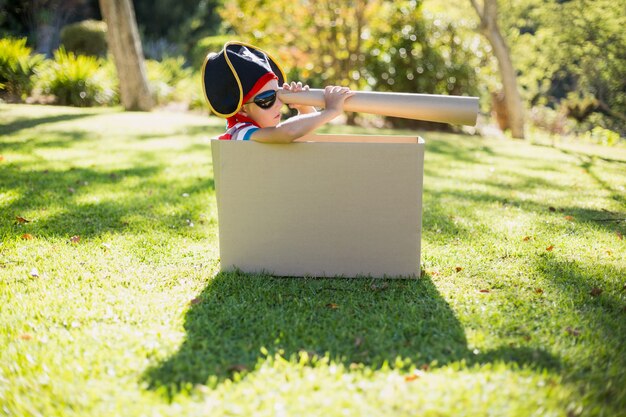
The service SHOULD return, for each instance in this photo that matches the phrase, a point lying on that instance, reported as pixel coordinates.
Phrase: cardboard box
(327, 205)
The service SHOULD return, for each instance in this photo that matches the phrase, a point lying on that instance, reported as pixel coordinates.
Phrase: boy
(241, 84)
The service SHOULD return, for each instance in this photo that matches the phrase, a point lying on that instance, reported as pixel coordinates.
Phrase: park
(114, 301)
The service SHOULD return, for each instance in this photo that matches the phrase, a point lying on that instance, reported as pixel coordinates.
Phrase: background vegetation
(572, 77)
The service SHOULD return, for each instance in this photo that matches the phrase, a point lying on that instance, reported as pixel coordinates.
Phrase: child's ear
(243, 111)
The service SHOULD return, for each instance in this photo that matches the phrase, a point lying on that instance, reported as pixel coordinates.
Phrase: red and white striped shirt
(240, 131)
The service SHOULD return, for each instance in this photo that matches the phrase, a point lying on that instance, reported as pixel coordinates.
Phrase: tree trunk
(124, 42)
(489, 28)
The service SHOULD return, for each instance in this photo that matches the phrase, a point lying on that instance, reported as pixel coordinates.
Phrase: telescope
(462, 110)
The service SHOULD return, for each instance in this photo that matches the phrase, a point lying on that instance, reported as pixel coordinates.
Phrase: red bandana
(239, 118)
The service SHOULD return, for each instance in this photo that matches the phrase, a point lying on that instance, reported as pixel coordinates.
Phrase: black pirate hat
(233, 75)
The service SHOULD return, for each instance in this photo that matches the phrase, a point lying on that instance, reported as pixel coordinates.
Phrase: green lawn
(112, 302)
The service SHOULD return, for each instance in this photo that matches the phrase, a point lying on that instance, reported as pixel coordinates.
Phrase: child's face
(264, 117)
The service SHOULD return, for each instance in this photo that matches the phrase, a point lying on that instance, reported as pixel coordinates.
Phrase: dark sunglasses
(265, 100)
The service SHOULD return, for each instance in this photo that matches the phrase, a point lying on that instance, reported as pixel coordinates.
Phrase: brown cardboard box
(327, 205)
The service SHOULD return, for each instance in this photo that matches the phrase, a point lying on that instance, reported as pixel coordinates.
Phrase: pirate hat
(235, 74)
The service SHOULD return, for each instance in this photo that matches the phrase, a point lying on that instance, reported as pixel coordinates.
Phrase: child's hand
(335, 96)
(294, 88)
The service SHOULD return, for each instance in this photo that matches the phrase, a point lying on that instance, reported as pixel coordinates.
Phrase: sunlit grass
(113, 303)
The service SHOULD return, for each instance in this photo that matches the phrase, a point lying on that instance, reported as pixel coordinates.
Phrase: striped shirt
(240, 131)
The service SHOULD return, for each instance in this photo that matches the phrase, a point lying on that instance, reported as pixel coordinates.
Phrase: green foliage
(85, 38)
(318, 42)
(408, 52)
(602, 136)
(179, 22)
(17, 67)
(190, 90)
(165, 76)
(550, 120)
(77, 80)
(388, 46)
(579, 106)
(205, 45)
(585, 56)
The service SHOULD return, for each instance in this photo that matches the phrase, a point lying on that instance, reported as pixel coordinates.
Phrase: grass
(113, 302)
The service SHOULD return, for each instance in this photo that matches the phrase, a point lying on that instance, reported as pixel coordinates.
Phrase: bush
(192, 89)
(17, 67)
(602, 136)
(415, 54)
(165, 77)
(204, 46)
(85, 38)
(552, 121)
(77, 80)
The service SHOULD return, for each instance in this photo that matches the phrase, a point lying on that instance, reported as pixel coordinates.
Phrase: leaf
(595, 291)
(26, 336)
(34, 273)
(549, 248)
(486, 290)
(332, 306)
(27, 236)
(619, 236)
(569, 218)
(526, 238)
(379, 287)
(1, 158)
(75, 239)
(552, 209)
(538, 291)
(71, 190)
(21, 220)
(196, 300)
(458, 269)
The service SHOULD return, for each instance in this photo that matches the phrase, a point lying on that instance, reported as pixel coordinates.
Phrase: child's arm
(296, 127)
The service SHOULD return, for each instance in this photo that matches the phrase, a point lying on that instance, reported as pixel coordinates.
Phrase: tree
(488, 15)
(578, 68)
(124, 42)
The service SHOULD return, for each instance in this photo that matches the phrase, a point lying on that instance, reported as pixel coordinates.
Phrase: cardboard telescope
(462, 110)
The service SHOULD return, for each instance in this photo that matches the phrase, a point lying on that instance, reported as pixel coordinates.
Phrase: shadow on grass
(84, 200)
(29, 123)
(473, 153)
(595, 318)
(609, 221)
(369, 322)
(587, 164)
